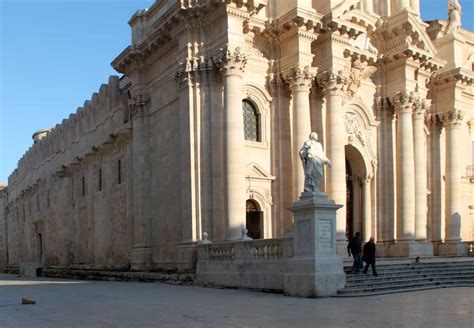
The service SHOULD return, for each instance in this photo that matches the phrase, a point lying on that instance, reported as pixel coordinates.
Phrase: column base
(411, 249)
(141, 258)
(321, 276)
(455, 248)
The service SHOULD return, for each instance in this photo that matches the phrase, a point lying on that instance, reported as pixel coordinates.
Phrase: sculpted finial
(454, 16)
(313, 159)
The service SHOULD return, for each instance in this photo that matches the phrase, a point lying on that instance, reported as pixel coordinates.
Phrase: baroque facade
(201, 135)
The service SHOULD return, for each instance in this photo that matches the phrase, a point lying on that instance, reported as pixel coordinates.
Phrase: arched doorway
(254, 219)
(356, 173)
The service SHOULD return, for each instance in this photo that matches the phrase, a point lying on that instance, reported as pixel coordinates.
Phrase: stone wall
(3, 235)
(68, 198)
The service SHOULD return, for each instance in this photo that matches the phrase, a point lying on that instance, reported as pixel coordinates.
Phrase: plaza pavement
(91, 304)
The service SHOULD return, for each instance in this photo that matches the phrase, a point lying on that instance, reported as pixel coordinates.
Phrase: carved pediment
(255, 171)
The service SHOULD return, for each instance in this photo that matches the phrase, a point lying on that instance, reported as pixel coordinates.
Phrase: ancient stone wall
(68, 199)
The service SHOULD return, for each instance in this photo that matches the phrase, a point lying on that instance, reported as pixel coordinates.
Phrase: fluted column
(232, 64)
(334, 85)
(435, 180)
(405, 167)
(452, 121)
(404, 4)
(420, 171)
(299, 80)
(365, 182)
(368, 6)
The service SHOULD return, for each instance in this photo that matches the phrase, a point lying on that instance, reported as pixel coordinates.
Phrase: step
(396, 291)
(405, 285)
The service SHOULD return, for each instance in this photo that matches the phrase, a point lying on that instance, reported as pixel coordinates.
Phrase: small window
(99, 180)
(119, 172)
(251, 121)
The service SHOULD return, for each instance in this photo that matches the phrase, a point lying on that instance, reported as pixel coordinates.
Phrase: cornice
(454, 77)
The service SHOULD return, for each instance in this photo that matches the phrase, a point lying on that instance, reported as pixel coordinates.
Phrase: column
(334, 84)
(366, 207)
(452, 121)
(232, 64)
(299, 80)
(420, 171)
(405, 167)
(415, 5)
(141, 252)
(435, 180)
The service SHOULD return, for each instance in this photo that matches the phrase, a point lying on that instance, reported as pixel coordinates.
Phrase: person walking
(354, 247)
(369, 256)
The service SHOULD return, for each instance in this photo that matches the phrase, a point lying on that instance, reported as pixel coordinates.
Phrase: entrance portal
(349, 201)
(254, 221)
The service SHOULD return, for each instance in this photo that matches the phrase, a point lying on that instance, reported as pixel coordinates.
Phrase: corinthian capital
(419, 109)
(332, 81)
(299, 79)
(231, 62)
(453, 118)
(404, 102)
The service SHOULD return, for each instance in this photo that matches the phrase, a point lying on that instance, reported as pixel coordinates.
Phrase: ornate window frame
(260, 98)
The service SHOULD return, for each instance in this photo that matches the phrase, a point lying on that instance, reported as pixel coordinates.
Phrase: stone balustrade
(248, 250)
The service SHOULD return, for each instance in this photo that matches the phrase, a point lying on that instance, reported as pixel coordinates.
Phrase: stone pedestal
(30, 269)
(314, 270)
(453, 248)
(411, 249)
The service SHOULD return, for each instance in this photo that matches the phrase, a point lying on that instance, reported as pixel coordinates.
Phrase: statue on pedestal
(454, 16)
(313, 159)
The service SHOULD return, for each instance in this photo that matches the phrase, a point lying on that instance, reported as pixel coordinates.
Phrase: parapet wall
(97, 122)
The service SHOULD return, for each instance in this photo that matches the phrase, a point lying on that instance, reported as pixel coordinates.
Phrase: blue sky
(55, 53)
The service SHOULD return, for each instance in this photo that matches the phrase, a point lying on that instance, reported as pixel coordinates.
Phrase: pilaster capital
(137, 105)
(230, 62)
(365, 179)
(453, 119)
(434, 121)
(471, 125)
(278, 85)
(404, 102)
(333, 82)
(300, 79)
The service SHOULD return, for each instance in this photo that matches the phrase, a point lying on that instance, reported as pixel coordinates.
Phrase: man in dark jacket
(354, 247)
(369, 256)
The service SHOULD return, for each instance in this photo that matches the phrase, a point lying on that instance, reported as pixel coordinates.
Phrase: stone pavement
(72, 303)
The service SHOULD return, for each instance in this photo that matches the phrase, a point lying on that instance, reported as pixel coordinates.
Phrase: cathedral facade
(201, 135)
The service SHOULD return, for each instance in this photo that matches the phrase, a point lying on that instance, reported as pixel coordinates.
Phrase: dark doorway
(349, 201)
(40, 246)
(254, 220)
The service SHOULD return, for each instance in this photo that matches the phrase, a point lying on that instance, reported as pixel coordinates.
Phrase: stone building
(202, 132)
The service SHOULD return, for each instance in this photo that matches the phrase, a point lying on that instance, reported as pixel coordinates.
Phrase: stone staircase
(402, 275)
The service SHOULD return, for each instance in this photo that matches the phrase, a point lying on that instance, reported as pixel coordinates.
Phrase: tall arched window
(251, 121)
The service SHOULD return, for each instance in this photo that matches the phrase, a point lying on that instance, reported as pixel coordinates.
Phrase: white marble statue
(454, 16)
(313, 159)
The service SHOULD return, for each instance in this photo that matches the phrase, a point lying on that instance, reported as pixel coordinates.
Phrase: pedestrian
(369, 256)
(354, 248)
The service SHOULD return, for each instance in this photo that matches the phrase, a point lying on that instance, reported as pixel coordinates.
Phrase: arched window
(251, 121)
